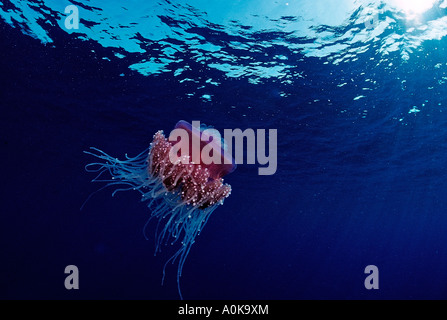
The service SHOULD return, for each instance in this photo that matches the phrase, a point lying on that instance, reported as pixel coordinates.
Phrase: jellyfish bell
(200, 184)
(204, 146)
(181, 186)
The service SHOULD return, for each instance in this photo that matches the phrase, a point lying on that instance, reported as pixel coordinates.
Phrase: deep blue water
(362, 146)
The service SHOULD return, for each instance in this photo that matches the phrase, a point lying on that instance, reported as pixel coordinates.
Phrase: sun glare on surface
(414, 7)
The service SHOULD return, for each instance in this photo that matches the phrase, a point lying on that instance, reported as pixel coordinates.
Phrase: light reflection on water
(238, 37)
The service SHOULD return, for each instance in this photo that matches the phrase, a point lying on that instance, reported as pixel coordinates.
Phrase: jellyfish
(180, 189)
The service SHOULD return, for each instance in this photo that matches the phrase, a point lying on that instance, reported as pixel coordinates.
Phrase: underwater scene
(223, 150)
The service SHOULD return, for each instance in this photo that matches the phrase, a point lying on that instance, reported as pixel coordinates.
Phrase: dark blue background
(350, 191)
